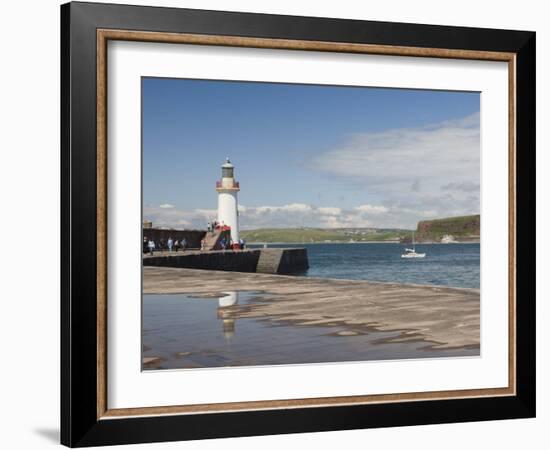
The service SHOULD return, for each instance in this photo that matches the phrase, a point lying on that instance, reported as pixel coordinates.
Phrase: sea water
(455, 265)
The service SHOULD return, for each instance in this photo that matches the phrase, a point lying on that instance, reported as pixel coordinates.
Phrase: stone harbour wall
(265, 260)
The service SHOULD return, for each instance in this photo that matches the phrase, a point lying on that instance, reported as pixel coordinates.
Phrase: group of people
(174, 245)
(225, 243)
(215, 225)
(228, 244)
(149, 245)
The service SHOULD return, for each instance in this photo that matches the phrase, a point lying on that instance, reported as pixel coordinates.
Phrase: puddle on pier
(185, 331)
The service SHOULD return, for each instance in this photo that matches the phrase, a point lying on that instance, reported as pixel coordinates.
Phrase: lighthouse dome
(227, 169)
(227, 164)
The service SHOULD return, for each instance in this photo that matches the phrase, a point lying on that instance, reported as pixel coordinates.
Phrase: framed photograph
(277, 224)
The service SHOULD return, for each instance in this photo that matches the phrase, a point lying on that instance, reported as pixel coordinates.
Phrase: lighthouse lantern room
(227, 189)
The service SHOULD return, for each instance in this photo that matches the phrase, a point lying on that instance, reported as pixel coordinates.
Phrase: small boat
(411, 252)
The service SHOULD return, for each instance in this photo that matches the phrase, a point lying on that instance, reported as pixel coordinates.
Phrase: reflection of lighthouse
(230, 298)
(228, 321)
(227, 200)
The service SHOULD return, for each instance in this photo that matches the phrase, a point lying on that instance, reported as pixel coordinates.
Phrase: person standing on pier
(170, 244)
(151, 245)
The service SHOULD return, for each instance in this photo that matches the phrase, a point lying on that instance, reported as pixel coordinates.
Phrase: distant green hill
(309, 235)
(463, 228)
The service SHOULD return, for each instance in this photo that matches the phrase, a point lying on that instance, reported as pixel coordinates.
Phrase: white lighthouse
(227, 188)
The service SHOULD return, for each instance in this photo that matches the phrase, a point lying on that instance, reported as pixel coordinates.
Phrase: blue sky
(308, 155)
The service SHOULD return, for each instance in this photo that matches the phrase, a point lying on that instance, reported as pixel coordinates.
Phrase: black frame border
(79, 423)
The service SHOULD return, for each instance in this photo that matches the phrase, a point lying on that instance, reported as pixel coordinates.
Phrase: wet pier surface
(202, 318)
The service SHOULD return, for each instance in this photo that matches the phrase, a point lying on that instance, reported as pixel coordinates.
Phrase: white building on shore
(228, 205)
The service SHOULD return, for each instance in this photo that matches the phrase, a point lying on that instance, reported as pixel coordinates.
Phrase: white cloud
(329, 211)
(166, 206)
(291, 208)
(370, 209)
(294, 215)
(466, 186)
(428, 156)
(206, 214)
(432, 170)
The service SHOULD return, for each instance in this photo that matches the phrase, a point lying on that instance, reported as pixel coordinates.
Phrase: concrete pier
(264, 260)
(442, 317)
